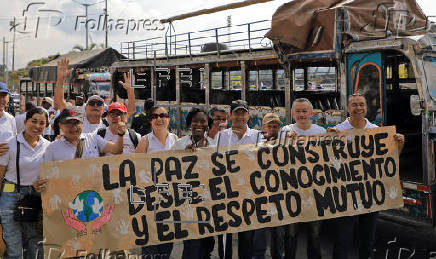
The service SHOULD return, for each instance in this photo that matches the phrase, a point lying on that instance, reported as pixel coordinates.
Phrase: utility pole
(105, 23)
(13, 46)
(4, 59)
(86, 15)
(86, 24)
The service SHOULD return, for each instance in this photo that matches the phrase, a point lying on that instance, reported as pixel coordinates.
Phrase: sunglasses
(116, 114)
(93, 103)
(160, 115)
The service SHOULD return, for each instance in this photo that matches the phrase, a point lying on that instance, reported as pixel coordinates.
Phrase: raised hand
(105, 217)
(126, 84)
(121, 127)
(71, 221)
(62, 70)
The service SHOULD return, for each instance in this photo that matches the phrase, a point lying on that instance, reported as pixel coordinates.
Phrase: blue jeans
(18, 235)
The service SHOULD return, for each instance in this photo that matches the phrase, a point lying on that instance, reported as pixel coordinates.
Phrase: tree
(80, 48)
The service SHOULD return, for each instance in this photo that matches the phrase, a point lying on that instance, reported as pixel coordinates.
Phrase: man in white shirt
(252, 244)
(117, 113)
(94, 109)
(71, 123)
(7, 121)
(94, 106)
(357, 108)
(302, 112)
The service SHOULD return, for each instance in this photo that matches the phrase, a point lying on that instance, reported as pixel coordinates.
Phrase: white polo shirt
(228, 137)
(62, 149)
(182, 143)
(346, 125)
(7, 126)
(154, 144)
(128, 147)
(91, 128)
(30, 159)
(313, 130)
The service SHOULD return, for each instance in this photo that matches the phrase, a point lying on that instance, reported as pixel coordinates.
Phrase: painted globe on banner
(87, 206)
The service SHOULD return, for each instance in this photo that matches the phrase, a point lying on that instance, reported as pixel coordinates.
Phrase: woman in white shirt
(159, 139)
(198, 121)
(32, 146)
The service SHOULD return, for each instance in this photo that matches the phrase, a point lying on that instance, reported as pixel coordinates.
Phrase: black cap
(239, 104)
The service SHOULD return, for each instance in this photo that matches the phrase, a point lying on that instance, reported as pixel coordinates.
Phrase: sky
(48, 27)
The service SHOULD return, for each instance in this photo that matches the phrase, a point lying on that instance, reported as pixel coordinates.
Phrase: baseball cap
(271, 117)
(79, 96)
(94, 98)
(4, 88)
(239, 104)
(71, 113)
(117, 106)
(48, 99)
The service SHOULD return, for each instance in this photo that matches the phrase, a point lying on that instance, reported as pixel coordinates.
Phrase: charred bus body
(389, 56)
(386, 52)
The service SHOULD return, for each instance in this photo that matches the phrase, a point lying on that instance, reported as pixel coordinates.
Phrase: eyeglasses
(160, 115)
(116, 114)
(98, 103)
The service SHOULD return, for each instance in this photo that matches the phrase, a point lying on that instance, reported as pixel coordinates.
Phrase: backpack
(132, 134)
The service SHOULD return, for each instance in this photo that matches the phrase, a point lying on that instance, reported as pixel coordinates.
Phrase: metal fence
(246, 36)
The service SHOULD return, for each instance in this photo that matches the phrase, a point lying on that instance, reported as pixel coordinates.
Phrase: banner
(121, 202)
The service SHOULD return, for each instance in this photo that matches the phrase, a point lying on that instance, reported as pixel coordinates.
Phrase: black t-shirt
(141, 124)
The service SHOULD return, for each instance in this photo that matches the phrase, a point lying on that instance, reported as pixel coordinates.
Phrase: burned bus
(385, 50)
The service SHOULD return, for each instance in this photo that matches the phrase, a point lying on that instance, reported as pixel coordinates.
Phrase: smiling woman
(27, 151)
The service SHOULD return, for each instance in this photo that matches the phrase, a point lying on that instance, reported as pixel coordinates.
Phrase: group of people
(82, 134)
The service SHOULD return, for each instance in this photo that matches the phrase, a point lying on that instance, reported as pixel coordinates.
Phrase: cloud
(61, 38)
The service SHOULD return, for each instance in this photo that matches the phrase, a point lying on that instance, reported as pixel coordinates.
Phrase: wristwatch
(121, 135)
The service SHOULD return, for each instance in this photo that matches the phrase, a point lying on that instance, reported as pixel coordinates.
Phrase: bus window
(265, 79)
(235, 80)
(280, 77)
(321, 78)
(252, 80)
(298, 79)
(429, 63)
(217, 80)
